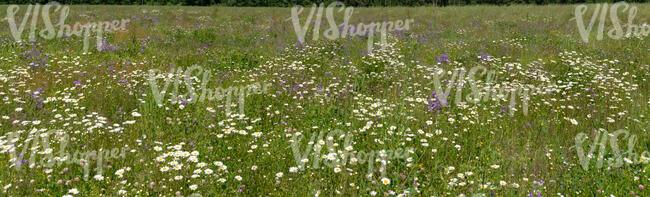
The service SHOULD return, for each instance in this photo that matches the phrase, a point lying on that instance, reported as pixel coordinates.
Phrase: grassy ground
(104, 100)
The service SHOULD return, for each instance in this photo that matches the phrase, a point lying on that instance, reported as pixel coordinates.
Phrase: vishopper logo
(241, 92)
(343, 30)
(489, 91)
(40, 140)
(338, 159)
(32, 13)
(600, 143)
(617, 30)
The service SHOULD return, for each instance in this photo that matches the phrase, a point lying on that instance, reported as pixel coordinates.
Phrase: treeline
(288, 3)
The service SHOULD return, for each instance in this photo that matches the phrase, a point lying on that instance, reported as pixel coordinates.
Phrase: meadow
(95, 116)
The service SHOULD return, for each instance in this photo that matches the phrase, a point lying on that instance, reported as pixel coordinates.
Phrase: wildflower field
(222, 101)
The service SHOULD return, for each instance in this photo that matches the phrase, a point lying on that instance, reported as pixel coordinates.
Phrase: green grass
(326, 85)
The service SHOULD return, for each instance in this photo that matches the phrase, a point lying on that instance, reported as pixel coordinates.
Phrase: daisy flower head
(515, 185)
(119, 172)
(73, 191)
(385, 181)
(450, 168)
(349, 148)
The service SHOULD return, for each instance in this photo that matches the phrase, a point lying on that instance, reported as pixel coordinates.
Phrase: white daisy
(385, 181)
